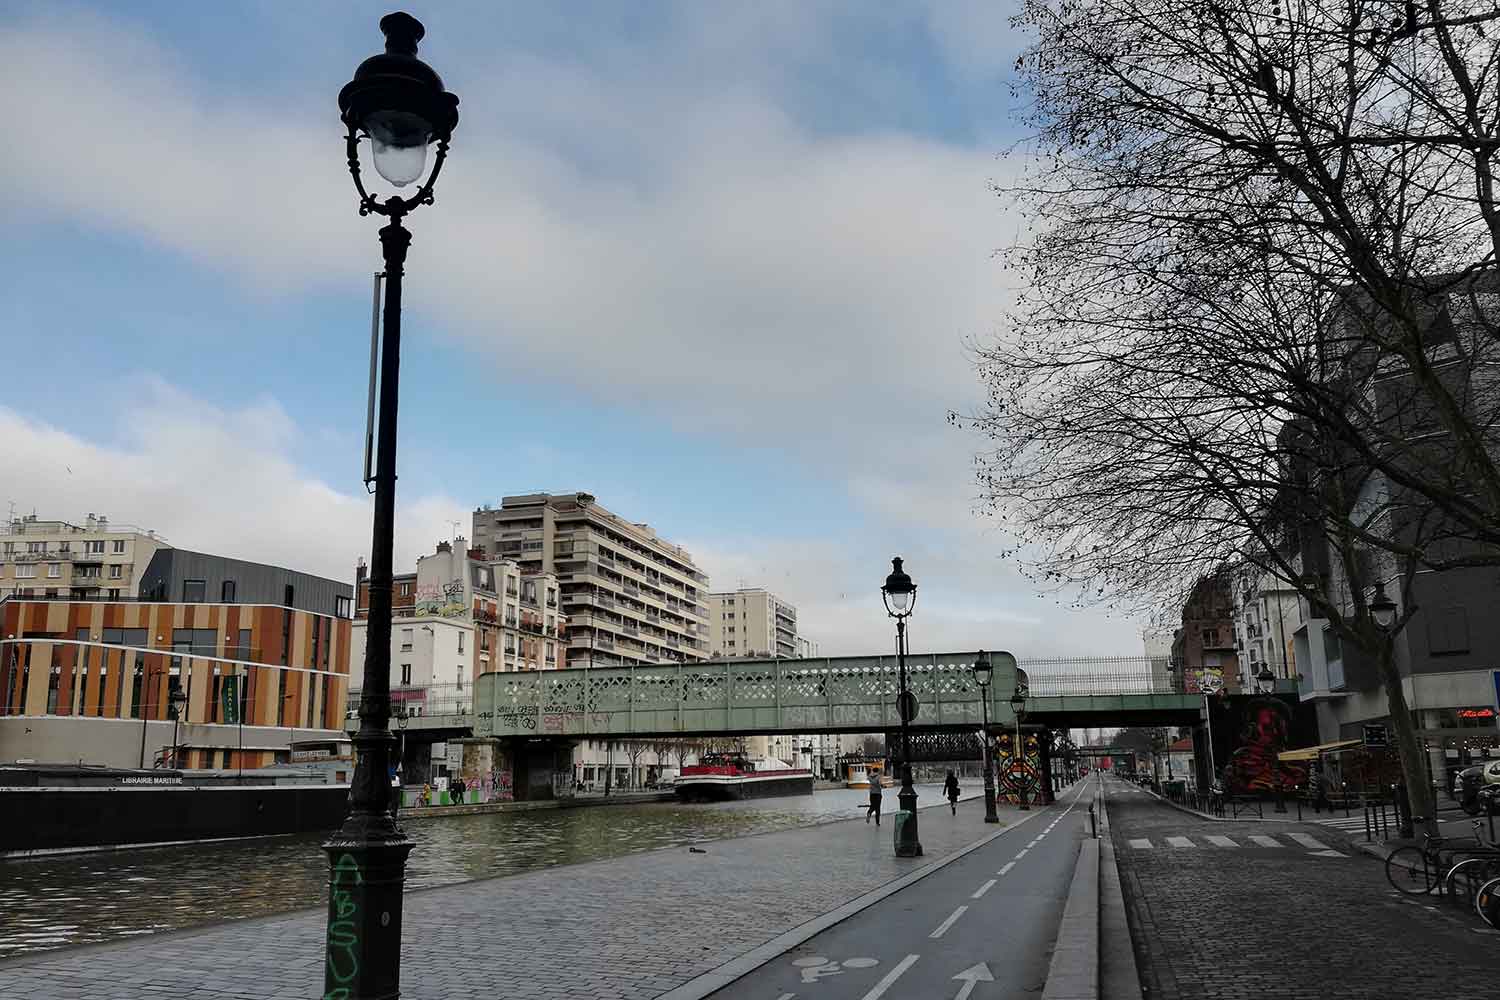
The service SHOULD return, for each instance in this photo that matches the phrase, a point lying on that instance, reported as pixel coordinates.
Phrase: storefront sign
(152, 780)
(1377, 736)
(1476, 713)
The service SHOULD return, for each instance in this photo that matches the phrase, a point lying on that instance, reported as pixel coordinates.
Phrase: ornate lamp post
(1018, 765)
(398, 103)
(175, 700)
(984, 672)
(900, 596)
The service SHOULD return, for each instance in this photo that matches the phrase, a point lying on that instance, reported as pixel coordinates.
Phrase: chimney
(444, 547)
(360, 572)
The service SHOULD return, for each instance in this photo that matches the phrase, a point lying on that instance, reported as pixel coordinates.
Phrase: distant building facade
(201, 683)
(92, 560)
(752, 622)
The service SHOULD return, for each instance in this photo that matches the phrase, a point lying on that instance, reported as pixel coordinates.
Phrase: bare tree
(1258, 292)
(634, 749)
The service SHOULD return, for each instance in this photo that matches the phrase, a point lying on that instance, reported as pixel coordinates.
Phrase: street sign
(906, 706)
(1377, 737)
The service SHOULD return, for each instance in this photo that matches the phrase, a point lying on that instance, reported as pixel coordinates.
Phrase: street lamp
(900, 596)
(175, 700)
(1265, 681)
(984, 672)
(398, 103)
(1018, 705)
(402, 718)
(1383, 609)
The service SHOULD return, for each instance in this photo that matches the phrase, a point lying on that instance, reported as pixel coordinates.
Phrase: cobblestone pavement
(1211, 920)
(625, 929)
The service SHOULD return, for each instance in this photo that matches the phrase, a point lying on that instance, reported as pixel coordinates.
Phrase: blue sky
(714, 263)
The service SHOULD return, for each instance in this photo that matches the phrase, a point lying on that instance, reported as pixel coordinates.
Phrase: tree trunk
(1413, 764)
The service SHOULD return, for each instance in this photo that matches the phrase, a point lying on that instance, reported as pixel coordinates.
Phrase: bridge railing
(1093, 676)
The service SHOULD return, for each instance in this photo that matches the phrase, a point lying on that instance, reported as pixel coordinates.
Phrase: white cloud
(209, 479)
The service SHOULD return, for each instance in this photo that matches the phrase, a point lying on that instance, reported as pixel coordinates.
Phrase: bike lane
(981, 927)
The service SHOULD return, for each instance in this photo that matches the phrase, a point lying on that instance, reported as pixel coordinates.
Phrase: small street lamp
(1018, 705)
(1265, 681)
(984, 672)
(175, 700)
(403, 715)
(900, 596)
(397, 102)
(1383, 609)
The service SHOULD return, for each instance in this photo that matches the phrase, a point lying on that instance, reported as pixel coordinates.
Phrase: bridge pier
(535, 765)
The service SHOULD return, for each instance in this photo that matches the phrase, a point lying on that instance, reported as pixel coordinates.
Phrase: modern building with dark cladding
(181, 576)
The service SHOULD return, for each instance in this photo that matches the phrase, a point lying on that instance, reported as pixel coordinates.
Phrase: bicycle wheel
(1409, 872)
(1487, 902)
(1470, 872)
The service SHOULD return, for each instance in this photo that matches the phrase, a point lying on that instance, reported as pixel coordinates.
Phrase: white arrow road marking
(974, 974)
(942, 928)
(1008, 866)
(983, 889)
(879, 989)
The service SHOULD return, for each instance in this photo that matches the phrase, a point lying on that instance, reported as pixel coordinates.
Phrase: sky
(720, 265)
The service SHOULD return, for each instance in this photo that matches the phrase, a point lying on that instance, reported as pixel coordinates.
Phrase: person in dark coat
(950, 789)
(875, 794)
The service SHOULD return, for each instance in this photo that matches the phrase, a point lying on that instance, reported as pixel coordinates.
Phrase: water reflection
(75, 899)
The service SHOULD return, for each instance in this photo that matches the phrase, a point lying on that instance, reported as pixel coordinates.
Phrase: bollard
(1093, 823)
(1298, 790)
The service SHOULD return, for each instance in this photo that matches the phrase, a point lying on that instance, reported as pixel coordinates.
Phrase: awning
(1311, 753)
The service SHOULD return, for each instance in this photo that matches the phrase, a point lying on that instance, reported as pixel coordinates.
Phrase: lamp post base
(908, 845)
(365, 881)
(989, 797)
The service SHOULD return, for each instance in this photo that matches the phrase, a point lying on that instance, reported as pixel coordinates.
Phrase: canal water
(72, 899)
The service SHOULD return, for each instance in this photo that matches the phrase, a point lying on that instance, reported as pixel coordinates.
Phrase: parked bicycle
(1418, 871)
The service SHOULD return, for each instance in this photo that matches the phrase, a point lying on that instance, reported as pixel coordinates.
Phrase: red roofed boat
(734, 776)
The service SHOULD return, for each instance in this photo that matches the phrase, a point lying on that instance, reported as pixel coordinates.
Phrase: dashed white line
(1008, 866)
(878, 990)
(1022, 854)
(942, 928)
(1034, 842)
(983, 889)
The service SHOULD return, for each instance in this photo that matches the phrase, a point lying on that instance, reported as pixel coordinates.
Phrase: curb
(1074, 971)
(1224, 819)
(736, 968)
(1119, 976)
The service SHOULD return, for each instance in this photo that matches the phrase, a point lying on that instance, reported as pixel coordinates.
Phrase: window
(226, 592)
(36, 547)
(459, 670)
(10, 547)
(406, 635)
(114, 593)
(54, 570)
(51, 591)
(460, 642)
(552, 653)
(64, 546)
(289, 596)
(118, 546)
(114, 571)
(343, 607)
(1210, 637)
(25, 572)
(86, 572)
(406, 674)
(94, 547)
(192, 591)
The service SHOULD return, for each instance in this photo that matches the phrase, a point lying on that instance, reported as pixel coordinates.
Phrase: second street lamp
(397, 102)
(900, 596)
(984, 672)
(1018, 762)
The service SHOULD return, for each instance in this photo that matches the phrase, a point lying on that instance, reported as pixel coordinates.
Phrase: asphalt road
(981, 928)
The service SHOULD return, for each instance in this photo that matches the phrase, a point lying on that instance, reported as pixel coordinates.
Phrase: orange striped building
(156, 683)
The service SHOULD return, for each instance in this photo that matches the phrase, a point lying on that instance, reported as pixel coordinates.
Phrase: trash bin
(902, 817)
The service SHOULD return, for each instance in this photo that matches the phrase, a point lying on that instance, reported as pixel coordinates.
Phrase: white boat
(726, 776)
(859, 776)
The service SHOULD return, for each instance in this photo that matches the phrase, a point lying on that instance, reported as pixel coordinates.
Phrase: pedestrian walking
(426, 794)
(875, 794)
(950, 789)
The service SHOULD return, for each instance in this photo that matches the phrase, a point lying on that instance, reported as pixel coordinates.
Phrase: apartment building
(95, 559)
(462, 614)
(752, 622)
(1266, 614)
(194, 682)
(1204, 656)
(630, 596)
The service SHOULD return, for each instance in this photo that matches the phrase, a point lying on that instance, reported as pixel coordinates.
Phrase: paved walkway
(625, 929)
(1282, 910)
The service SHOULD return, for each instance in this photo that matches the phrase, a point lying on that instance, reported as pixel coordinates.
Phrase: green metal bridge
(848, 694)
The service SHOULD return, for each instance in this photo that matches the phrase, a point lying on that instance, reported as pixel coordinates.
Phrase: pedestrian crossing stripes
(1347, 824)
(1296, 841)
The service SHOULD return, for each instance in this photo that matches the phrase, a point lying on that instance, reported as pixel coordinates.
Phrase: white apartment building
(630, 596)
(1267, 613)
(752, 622)
(93, 560)
(430, 662)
